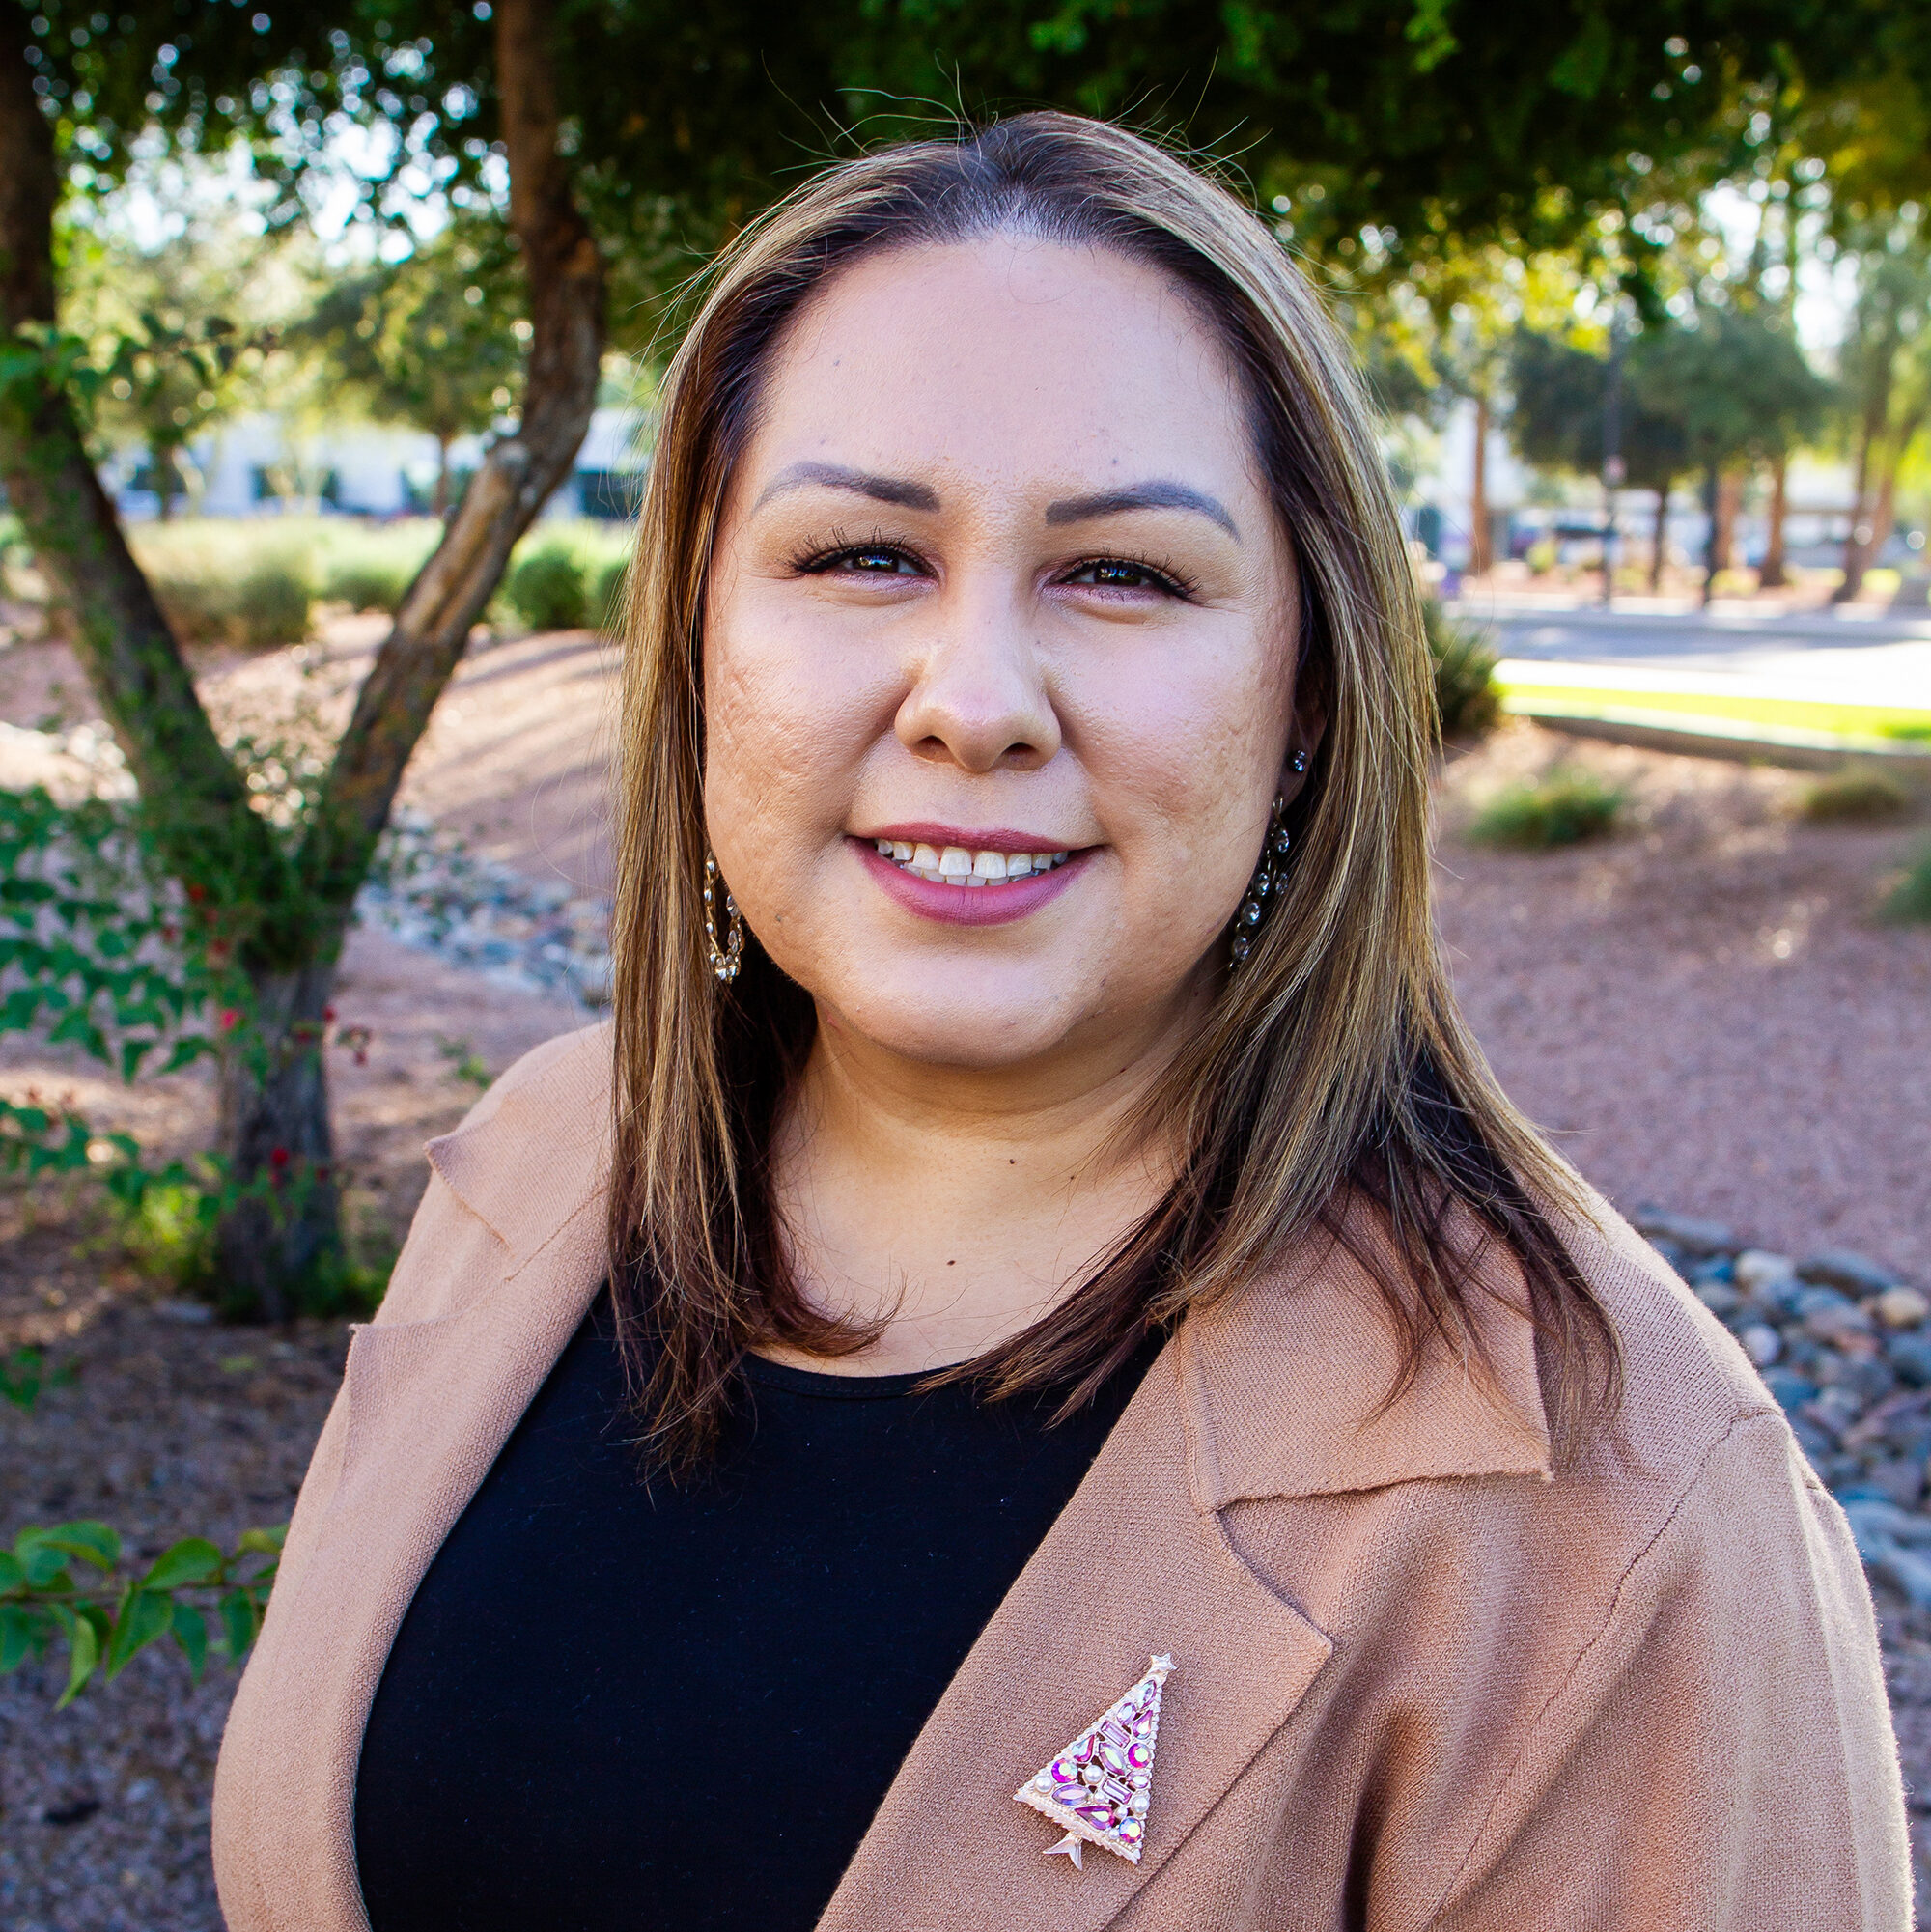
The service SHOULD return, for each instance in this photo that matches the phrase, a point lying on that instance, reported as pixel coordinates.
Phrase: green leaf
(92, 1542)
(83, 1636)
(237, 1623)
(145, 1615)
(191, 1630)
(44, 1563)
(1586, 61)
(192, 1561)
(18, 1628)
(12, 1575)
(269, 1542)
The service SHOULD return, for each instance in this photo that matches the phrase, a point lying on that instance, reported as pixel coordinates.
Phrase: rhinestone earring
(725, 960)
(1265, 884)
(1300, 763)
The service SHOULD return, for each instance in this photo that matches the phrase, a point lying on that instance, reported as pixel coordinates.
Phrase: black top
(668, 1708)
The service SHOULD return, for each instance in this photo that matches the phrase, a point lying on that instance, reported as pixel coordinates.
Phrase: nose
(979, 699)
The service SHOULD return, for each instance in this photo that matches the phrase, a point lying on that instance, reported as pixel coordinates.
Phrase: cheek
(785, 736)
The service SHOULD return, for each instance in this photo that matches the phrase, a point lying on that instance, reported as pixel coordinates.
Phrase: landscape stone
(1910, 1357)
(1719, 1297)
(1843, 1267)
(1902, 1308)
(1692, 1235)
(1756, 1267)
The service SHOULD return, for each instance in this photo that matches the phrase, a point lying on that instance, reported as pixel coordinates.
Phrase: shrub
(243, 583)
(169, 1234)
(1911, 900)
(1564, 807)
(1465, 699)
(1853, 796)
(368, 569)
(547, 588)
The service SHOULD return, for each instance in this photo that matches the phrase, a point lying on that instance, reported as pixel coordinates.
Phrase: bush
(1855, 795)
(546, 586)
(243, 583)
(368, 568)
(1564, 807)
(1466, 702)
(1912, 899)
(169, 1235)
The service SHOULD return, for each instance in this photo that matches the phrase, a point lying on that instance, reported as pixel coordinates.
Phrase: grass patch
(248, 583)
(1563, 807)
(1911, 900)
(1855, 797)
(1906, 723)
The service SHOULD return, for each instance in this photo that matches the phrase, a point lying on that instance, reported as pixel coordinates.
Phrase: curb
(1693, 737)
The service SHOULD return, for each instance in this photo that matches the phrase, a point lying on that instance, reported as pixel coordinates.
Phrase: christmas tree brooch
(1100, 1788)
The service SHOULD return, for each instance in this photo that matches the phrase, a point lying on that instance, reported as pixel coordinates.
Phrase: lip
(923, 832)
(959, 906)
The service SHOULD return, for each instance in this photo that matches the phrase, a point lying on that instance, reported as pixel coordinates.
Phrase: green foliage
(169, 1233)
(1911, 900)
(465, 1063)
(67, 1582)
(369, 567)
(1466, 703)
(250, 584)
(1563, 807)
(1855, 795)
(545, 586)
(566, 576)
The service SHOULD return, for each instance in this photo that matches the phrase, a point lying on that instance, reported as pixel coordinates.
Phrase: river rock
(1843, 1267)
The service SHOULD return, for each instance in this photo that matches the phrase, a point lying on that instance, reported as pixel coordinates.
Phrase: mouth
(961, 866)
(969, 879)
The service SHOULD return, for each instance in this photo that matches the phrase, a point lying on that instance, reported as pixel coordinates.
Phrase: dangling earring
(725, 960)
(1265, 884)
(1299, 761)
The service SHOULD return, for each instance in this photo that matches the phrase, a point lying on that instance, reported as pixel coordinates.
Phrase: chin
(973, 1027)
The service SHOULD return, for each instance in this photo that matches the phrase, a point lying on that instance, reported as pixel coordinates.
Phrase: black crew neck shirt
(676, 1708)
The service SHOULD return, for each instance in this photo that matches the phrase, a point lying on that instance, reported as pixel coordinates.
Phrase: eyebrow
(1156, 495)
(908, 495)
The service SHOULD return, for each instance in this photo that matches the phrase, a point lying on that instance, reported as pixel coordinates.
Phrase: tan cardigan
(1419, 1681)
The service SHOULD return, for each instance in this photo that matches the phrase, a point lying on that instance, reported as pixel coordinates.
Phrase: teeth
(954, 865)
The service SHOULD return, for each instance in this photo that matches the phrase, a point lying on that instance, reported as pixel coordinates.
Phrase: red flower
(328, 1016)
(278, 1157)
(230, 1019)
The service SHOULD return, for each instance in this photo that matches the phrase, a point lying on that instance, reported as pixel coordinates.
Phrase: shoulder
(530, 1157)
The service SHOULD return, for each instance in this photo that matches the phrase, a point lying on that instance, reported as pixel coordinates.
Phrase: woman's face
(999, 656)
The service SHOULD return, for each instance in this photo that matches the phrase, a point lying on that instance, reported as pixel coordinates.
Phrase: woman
(1036, 1292)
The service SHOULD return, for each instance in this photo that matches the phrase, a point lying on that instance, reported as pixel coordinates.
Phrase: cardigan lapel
(1131, 1567)
(1277, 1392)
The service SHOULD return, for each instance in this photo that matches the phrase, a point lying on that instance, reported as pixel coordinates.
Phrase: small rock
(1836, 1409)
(1842, 1268)
(1900, 1481)
(185, 1311)
(1902, 1308)
(1873, 1519)
(1811, 1301)
(1762, 1344)
(1722, 1300)
(1791, 1390)
(1692, 1235)
(1756, 1267)
(1910, 1572)
(1910, 1357)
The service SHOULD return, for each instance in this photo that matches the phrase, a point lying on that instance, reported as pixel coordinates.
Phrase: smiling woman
(1037, 1209)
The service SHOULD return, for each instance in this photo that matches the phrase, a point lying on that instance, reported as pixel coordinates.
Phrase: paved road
(1818, 655)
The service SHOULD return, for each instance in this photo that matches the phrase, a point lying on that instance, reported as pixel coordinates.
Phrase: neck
(957, 1206)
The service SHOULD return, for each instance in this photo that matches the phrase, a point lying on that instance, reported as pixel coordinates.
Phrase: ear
(1310, 725)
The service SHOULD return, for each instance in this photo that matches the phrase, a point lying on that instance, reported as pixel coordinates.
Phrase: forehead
(1002, 355)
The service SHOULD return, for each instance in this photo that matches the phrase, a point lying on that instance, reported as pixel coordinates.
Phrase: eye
(863, 560)
(1124, 573)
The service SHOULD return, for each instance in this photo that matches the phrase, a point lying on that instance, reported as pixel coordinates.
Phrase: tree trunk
(439, 502)
(1856, 541)
(1773, 576)
(1729, 501)
(1659, 543)
(275, 1131)
(1711, 485)
(1479, 557)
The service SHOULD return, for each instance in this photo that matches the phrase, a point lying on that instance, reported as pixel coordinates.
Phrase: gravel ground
(1703, 1010)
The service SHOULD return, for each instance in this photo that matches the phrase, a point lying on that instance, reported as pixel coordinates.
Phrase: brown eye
(1117, 574)
(871, 562)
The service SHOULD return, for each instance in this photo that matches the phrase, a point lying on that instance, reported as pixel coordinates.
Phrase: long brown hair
(1333, 1067)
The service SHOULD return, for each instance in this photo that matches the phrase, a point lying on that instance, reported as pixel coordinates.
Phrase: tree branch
(565, 275)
